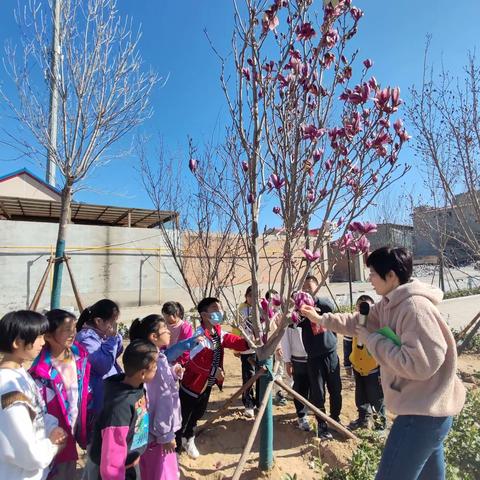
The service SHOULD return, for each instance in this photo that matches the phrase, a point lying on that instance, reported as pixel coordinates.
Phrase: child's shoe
(279, 400)
(360, 423)
(190, 448)
(249, 412)
(303, 424)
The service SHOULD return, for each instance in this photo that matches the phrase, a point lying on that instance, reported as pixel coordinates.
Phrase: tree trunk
(65, 214)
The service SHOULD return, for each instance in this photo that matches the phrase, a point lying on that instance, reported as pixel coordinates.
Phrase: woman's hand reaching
(310, 312)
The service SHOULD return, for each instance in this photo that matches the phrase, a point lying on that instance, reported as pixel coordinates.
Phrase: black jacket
(322, 344)
(122, 426)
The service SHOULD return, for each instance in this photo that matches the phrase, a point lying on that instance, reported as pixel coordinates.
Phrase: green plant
(344, 309)
(288, 476)
(123, 329)
(462, 447)
(463, 292)
(364, 462)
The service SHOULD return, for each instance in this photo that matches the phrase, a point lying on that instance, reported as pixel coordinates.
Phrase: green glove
(391, 335)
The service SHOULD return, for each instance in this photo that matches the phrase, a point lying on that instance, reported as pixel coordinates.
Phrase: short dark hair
(56, 317)
(386, 259)
(205, 303)
(22, 324)
(104, 309)
(248, 291)
(181, 310)
(270, 294)
(364, 298)
(138, 355)
(142, 328)
(325, 305)
(311, 277)
(172, 308)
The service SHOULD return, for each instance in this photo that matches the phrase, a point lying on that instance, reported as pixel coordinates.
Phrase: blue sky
(191, 102)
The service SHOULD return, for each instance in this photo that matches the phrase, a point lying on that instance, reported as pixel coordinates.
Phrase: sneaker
(325, 435)
(360, 423)
(279, 400)
(249, 412)
(190, 448)
(303, 424)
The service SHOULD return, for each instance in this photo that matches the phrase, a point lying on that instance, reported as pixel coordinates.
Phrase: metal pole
(350, 278)
(54, 76)
(266, 427)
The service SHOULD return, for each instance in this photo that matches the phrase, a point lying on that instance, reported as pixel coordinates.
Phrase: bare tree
(318, 160)
(202, 241)
(102, 89)
(445, 114)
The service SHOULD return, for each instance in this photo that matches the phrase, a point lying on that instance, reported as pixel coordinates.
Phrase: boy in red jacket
(203, 370)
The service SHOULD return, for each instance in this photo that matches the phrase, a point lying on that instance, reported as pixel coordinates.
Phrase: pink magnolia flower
(356, 13)
(398, 126)
(396, 100)
(251, 198)
(368, 63)
(329, 164)
(305, 31)
(330, 38)
(276, 300)
(359, 95)
(312, 133)
(311, 256)
(317, 155)
(277, 210)
(364, 228)
(246, 73)
(193, 165)
(363, 244)
(340, 221)
(265, 306)
(276, 182)
(295, 317)
(328, 59)
(303, 298)
(270, 20)
(373, 83)
(245, 166)
(311, 195)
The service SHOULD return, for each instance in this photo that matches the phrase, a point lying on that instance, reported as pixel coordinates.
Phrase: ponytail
(104, 309)
(141, 329)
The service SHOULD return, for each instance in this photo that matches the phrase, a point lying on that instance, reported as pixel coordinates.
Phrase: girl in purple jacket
(159, 462)
(97, 333)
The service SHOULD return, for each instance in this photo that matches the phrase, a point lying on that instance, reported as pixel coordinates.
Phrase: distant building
(392, 235)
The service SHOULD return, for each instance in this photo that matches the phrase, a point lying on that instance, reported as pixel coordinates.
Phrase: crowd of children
(134, 420)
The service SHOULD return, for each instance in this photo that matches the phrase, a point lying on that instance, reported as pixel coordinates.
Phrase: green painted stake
(266, 427)
(57, 276)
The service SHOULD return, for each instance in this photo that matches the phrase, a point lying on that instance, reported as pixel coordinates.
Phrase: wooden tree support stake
(462, 334)
(41, 285)
(337, 426)
(224, 407)
(256, 426)
(74, 285)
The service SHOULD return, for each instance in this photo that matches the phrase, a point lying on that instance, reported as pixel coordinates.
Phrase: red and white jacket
(197, 369)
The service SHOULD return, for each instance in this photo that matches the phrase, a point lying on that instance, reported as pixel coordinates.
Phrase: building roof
(25, 171)
(35, 210)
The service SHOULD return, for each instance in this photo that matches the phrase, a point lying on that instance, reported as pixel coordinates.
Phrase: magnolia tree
(315, 138)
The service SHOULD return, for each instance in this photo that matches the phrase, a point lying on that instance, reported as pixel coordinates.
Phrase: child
(203, 370)
(62, 373)
(29, 437)
(121, 431)
(159, 462)
(248, 357)
(295, 358)
(323, 364)
(368, 387)
(179, 329)
(97, 333)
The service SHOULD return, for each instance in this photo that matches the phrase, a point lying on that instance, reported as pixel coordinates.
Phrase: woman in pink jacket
(417, 355)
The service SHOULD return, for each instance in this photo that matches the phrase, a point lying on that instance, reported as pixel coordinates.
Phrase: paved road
(459, 311)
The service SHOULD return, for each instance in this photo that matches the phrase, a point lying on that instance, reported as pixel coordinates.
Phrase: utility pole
(54, 76)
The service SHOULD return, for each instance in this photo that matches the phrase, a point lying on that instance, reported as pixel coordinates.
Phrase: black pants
(323, 371)
(301, 384)
(369, 395)
(193, 410)
(248, 371)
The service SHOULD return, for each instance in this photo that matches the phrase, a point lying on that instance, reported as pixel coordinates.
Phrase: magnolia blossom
(251, 198)
(305, 31)
(363, 228)
(246, 73)
(368, 63)
(276, 182)
(356, 13)
(277, 210)
(311, 256)
(193, 165)
(330, 38)
(245, 166)
(312, 133)
(276, 300)
(270, 21)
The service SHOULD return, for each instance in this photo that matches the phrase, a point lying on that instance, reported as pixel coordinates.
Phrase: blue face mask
(216, 318)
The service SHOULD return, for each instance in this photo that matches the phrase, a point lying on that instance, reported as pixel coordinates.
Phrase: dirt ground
(295, 451)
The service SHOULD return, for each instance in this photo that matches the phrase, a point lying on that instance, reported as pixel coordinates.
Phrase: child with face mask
(204, 370)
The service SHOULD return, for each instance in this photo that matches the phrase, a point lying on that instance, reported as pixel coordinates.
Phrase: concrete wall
(135, 270)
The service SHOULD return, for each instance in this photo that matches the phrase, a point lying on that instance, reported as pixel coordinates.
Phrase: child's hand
(58, 436)
(169, 447)
(310, 312)
(178, 370)
(220, 375)
(289, 368)
(279, 353)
